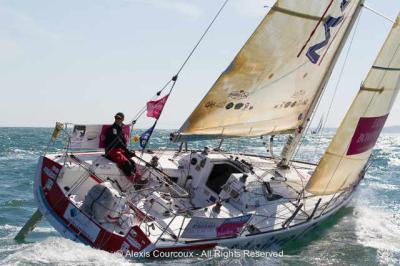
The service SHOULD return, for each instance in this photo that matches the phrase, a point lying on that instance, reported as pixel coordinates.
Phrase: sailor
(116, 148)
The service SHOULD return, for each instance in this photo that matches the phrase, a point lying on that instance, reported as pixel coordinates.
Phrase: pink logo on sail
(154, 108)
(366, 134)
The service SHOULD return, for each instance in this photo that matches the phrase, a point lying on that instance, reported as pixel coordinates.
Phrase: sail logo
(239, 106)
(238, 95)
(366, 134)
(330, 22)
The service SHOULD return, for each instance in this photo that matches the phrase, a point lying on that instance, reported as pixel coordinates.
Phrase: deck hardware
(290, 219)
(315, 209)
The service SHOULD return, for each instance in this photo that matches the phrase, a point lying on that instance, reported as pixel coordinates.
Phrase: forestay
(352, 145)
(273, 81)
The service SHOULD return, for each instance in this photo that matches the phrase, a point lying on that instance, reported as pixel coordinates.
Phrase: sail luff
(292, 144)
(343, 162)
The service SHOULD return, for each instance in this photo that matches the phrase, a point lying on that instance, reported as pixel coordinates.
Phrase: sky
(83, 61)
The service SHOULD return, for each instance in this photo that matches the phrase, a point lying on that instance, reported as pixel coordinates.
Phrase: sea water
(367, 232)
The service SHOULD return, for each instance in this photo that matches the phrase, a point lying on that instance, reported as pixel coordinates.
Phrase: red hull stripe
(57, 203)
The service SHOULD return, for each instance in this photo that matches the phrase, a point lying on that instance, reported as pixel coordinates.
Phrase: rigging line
(365, 111)
(202, 37)
(378, 13)
(174, 78)
(306, 131)
(143, 109)
(308, 126)
(336, 88)
(339, 79)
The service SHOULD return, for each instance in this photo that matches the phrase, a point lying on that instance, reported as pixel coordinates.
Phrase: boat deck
(168, 201)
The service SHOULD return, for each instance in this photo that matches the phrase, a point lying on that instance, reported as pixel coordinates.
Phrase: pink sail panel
(366, 134)
(154, 108)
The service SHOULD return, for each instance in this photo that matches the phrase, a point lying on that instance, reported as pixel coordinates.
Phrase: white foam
(61, 251)
(13, 229)
(9, 228)
(44, 230)
(10, 231)
(376, 228)
(384, 186)
(394, 160)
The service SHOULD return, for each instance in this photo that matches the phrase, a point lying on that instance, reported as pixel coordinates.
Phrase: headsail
(272, 83)
(352, 145)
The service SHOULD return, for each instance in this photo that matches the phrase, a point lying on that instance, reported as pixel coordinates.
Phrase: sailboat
(318, 129)
(193, 200)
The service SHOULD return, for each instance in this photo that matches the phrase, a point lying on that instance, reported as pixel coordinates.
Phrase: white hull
(87, 230)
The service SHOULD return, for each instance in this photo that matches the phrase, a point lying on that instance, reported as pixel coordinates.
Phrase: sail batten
(352, 145)
(273, 81)
(372, 89)
(295, 14)
(386, 68)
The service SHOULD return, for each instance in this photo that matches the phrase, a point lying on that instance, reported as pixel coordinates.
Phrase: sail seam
(340, 156)
(295, 14)
(284, 131)
(189, 137)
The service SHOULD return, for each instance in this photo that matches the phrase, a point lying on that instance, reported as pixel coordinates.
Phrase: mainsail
(352, 145)
(276, 77)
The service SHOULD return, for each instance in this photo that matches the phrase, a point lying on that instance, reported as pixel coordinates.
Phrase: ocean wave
(371, 228)
(382, 186)
(16, 203)
(394, 160)
(376, 228)
(60, 251)
(11, 230)
(26, 155)
(17, 153)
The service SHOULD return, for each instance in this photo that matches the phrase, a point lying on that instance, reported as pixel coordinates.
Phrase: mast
(294, 140)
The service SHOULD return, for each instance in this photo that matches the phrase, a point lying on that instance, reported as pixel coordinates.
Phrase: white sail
(272, 83)
(319, 127)
(352, 145)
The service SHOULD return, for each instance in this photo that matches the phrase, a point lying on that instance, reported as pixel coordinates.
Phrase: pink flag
(154, 108)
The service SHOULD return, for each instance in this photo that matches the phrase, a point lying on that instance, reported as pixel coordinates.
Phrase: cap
(119, 115)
